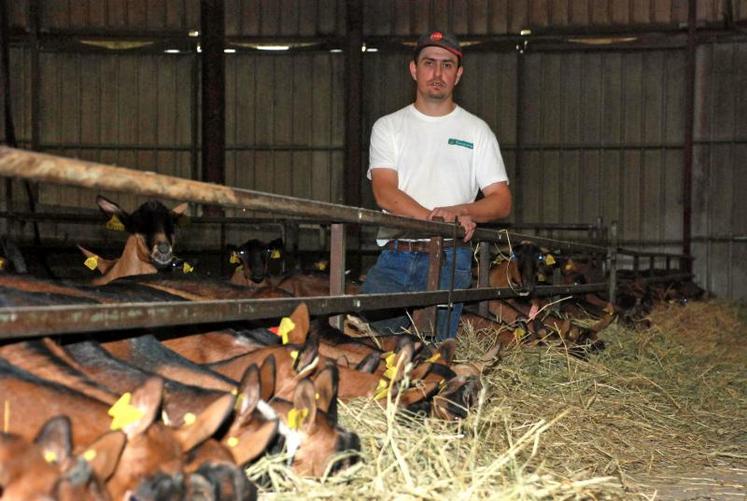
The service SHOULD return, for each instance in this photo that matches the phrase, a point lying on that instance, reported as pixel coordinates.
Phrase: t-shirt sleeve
(489, 166)
(382, 149)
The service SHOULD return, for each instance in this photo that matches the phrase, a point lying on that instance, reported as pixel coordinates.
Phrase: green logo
(459, 142)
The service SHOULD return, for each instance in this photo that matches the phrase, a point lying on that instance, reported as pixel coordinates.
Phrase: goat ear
(326, 384)
(447, 349)
(404, 357)
(56, 439)
(103, 265)
(277, 243)
(307, 356)
(147, 399)
(304, 400)
(249, 391)
(206, 424)
(180, 209)
(103, 455)
(110, 208)
(301, 323)
(267, 378)
(253, 441)
(370, 363)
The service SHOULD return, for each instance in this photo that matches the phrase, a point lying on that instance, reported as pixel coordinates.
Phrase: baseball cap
(439, 39)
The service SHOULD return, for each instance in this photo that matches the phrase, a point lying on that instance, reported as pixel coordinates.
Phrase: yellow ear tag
(234, 391)
(275, 254)
(391, 368)
(296, 418)
(239, 401)
(436, 356)
(92, 262)
(569, 266)
(89, 455)
(381, 389)
(549, 260)
(232, 442)
(541, 277)
(186, 268)
(189, 419)
(114, 224)
(3, 263)
(50, 456)
(519, 333)
(285, 327)
(234, 259)
(294, 354)
(123, 413)
(320, 265)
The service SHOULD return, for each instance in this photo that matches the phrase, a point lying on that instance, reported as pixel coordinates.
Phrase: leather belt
(418, 246)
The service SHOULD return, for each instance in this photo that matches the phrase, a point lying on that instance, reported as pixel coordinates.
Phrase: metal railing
(33, 321)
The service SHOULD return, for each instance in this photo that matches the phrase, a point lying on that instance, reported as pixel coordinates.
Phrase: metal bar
(425, 318)
(484, 273)
(636, 254)
(212, 20)
(184, 147)
(68, 171)
(36, 321)
(664, 278)
(687, 167)
(353, 98)
(337, 267)
(353, 171)
(612, 262)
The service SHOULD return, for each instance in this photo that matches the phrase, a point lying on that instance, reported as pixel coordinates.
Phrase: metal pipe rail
(74, 172)
(31, 321)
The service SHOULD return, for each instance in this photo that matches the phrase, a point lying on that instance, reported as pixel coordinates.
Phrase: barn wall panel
(136, 16)
(610, 115)
(284, 119)
(719, 182)
(117, 109)
(480, 17)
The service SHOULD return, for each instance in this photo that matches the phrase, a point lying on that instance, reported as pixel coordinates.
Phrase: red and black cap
(439, 39)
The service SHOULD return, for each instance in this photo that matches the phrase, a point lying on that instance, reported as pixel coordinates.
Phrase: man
(428, 160)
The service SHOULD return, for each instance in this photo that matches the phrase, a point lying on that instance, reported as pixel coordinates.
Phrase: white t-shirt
(440, 161)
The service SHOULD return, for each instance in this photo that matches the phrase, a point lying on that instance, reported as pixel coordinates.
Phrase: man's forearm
(486, 210)
(396, 201)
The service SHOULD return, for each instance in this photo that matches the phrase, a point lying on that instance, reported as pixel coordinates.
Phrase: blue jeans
(397, 271)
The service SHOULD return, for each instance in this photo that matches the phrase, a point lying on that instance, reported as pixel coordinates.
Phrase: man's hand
(450, 215)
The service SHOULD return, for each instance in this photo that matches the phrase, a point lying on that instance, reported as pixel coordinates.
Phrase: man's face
(436, 72)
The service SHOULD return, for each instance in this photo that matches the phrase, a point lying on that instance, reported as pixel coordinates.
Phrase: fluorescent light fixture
(525, 32)
(199, 49)
(194, 33)
(602, 40)
(229, 51)
(363, 48)
(117, 45)
(172, 51)
(335, 51)
(273, 47)
(372, 49)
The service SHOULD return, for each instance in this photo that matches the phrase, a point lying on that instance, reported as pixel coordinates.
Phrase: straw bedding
(656, 407)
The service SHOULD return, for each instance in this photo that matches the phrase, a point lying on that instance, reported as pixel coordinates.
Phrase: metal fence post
(612, 260)
(337, 267)
(484, 273)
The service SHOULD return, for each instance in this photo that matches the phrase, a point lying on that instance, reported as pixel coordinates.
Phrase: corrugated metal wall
(483, 17)
(720, 169)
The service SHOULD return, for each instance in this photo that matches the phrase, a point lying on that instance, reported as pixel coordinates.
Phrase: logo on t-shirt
(459, 142)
